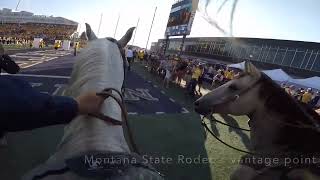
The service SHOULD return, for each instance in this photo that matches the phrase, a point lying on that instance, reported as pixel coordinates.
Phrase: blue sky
(278, 19)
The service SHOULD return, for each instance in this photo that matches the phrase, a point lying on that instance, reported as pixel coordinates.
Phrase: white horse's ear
(1, 50)
(84, 36)
(90, 34)
(251, 69)
(126, 38)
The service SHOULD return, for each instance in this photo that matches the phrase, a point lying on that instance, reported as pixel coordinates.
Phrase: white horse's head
(99, 59)
(97, 67)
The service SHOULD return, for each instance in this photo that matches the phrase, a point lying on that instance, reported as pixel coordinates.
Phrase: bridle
(124, 59)
(107, 93)
(237, 96)
(228, 100)
(234, 98)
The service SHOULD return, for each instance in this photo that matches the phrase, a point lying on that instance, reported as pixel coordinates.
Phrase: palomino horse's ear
(84, 36)
(1, 50)
(126, 38)
(90, 34)
(251, 69)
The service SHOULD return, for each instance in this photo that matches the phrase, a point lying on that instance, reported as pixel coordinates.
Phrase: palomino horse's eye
(233, 87)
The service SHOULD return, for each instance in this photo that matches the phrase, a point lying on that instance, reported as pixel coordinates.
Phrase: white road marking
(172, 100)
(184, 111)
(35, 75)
(29, 59)
(32, 64)
(132, 113)
(160, 112)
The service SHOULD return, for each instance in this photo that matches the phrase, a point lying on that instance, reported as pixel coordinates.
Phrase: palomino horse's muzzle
(203, 106)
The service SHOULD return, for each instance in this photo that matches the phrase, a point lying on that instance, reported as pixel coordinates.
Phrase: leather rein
(265, 169)
(237, 96)
(107, 93)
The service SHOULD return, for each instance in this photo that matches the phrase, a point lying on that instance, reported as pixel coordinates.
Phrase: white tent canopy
(313, 82)
(278, 75)
(238, 66)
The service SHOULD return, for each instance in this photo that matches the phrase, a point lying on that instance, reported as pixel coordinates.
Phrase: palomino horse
(92, 148)
(283, 133)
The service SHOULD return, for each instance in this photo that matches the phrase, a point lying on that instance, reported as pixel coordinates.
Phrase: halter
(107, 93)
(124, 59)
(252, 154)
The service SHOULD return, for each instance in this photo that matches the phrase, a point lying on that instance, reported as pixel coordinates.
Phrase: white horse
(98, 66)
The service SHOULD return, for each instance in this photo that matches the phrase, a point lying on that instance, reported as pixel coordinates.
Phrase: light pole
(115, 31)
(100, 24)
(155, 11)
(18, 5)
(135, 32)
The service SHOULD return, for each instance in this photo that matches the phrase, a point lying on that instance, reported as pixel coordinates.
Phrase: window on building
(316, 64)
(298, 59)
(288, 58)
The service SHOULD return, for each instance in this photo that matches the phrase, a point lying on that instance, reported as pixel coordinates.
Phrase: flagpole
(135, 32)
(151, 26)
(115, 31)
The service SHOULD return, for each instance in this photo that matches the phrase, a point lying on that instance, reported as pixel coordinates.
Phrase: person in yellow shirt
(307, 96)
(229, 74)
(141, 55)
(56, 45)
(197, 72)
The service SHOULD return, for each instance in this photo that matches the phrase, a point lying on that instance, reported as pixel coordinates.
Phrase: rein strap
(106, 93)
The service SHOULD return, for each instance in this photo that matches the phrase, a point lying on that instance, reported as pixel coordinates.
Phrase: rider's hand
(89, 103)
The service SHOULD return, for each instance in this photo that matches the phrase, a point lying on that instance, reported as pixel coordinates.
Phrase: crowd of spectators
(187, 73)
(24, 33)
(191, 74)
(306, 96)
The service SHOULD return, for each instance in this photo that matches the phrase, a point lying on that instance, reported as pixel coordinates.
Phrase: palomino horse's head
(280, 126)
(236, 97)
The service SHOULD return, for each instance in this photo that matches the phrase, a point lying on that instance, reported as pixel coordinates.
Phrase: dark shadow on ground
(178, 138)
(26, 150)
(231, 121)
(213, 125)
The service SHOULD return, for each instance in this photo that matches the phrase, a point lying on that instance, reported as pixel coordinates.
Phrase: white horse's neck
(98, 67)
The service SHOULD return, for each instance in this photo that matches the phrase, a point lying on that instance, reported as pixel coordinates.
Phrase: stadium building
(22, 26)
(295, 57)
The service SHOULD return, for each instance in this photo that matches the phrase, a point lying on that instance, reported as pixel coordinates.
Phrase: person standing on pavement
(129, 57)
(197, 72)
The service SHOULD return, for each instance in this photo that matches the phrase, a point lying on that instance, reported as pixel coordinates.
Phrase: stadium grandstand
(295, 57)
(22, 27)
